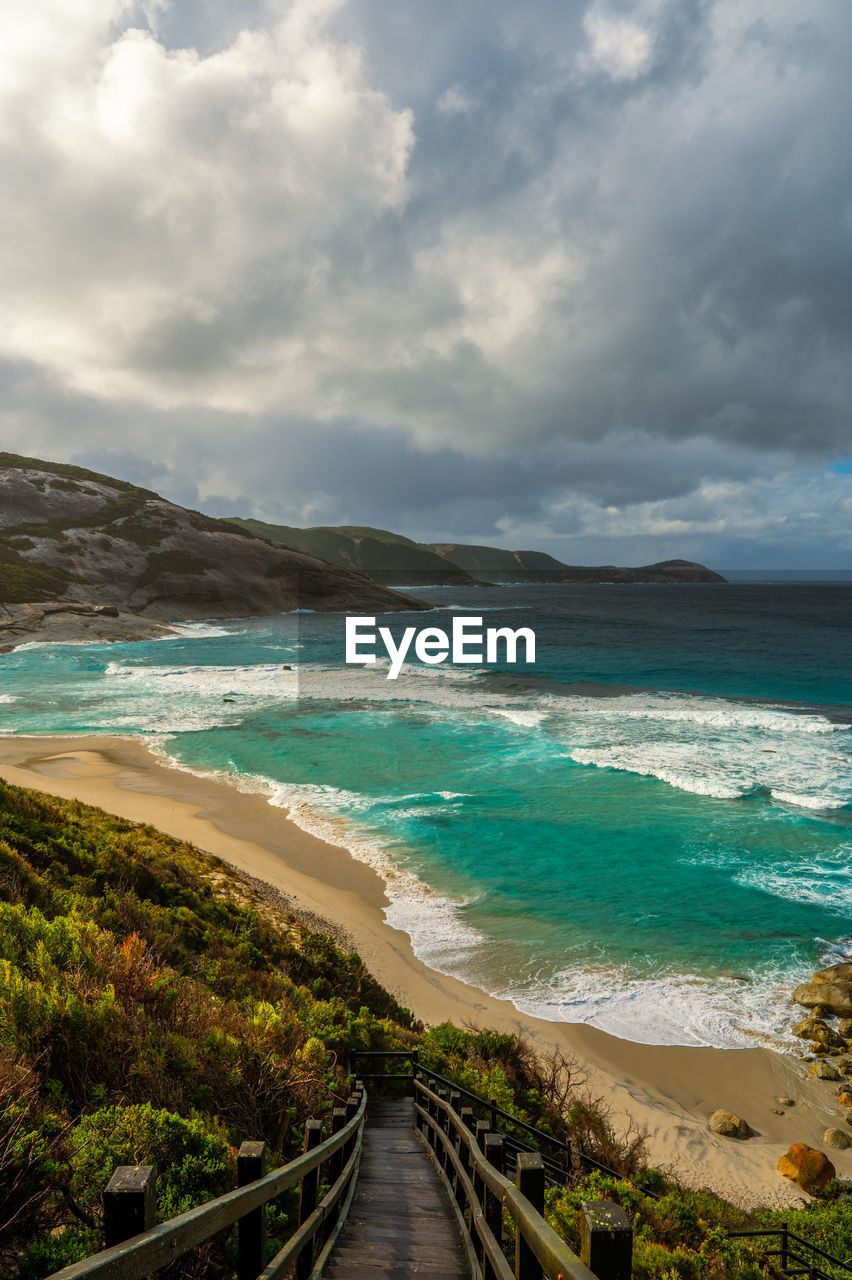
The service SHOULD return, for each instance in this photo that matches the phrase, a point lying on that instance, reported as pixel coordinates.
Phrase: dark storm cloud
(480, 270)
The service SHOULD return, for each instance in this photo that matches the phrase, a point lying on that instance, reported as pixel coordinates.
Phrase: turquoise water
(650, 829)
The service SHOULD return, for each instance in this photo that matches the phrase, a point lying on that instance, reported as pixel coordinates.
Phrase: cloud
(621, 46)
(171, 217)
(522, 262)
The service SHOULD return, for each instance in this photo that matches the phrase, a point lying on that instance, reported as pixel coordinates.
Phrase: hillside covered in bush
(154, 1008)
(99, 556)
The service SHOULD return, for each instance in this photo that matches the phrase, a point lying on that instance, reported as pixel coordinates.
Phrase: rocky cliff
(86, 551)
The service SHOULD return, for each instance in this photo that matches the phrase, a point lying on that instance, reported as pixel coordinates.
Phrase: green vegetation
(387, 557)
(22, 581)
(160, 562)
(157, 1007)
(17, 462)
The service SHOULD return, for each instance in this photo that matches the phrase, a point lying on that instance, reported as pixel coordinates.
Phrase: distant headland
(398, 561)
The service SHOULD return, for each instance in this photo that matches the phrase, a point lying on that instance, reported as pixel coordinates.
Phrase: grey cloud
(604, 258)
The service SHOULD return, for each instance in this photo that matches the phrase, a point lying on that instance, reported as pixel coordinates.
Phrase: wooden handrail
(141, 1256)
(417, 1069)
(556, 1259)
(283, 1261)
(555, 1172)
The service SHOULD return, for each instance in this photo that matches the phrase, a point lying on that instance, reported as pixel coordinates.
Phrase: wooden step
(401, 1222)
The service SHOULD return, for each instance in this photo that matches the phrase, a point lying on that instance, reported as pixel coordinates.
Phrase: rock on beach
(809, 1168)
(728, 1125)
(831, 988)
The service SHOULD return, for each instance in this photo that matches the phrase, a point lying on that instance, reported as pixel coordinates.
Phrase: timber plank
(401, 1222)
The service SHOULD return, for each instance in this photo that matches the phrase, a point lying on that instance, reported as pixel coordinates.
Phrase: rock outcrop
(73, 540)
(811, 1169)
(824, 1070)
(831, 988)
(818, 1032)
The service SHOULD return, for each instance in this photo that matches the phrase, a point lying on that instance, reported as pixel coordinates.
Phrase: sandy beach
(670, 1091)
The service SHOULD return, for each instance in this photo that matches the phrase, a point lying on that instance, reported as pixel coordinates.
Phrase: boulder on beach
(811, 1169)
(844, 1097)
(728, 1125)
(836, 995)
(835, 1138)
(845, 1028)
(786, 1102)
(824, 1070)
(819, 1032)
(834, 973)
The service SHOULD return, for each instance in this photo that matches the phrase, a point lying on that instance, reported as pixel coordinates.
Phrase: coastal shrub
(827, 1224)
(156, 1006)
(32, 1150)
(194, 1158)
(683, 1234)
(71, 1243)
(24, 583)
(144, 980)
(160, 562)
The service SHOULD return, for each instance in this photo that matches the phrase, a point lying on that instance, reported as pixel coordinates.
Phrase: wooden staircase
(401, 1222)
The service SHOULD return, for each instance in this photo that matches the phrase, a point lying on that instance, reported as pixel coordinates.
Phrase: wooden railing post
(308, 1198)
(352, 1104)
(529, 1178)
(455, 1103)
(444, 1123)
(784, 1247)
(415, 1067)
(482, 1128)
(493, 1207)
(335, 1164)
(433, 1112)
(492, 1107)
(606, 1240)
(468, 1120)
(251, 1228)
(130, 1202)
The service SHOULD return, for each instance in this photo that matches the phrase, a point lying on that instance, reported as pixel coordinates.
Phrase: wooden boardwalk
(401, 1222)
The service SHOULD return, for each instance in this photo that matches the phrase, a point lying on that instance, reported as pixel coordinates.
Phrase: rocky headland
(391, 558)
(83, 555)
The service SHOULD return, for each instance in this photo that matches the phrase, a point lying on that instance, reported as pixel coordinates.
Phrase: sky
(565, 274)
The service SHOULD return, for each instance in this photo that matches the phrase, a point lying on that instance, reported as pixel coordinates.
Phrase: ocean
(650, 829)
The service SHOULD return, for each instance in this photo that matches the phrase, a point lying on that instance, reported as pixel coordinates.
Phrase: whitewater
(650, 829)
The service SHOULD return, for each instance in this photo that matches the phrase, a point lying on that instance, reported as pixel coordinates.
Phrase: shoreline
(670, 1090)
